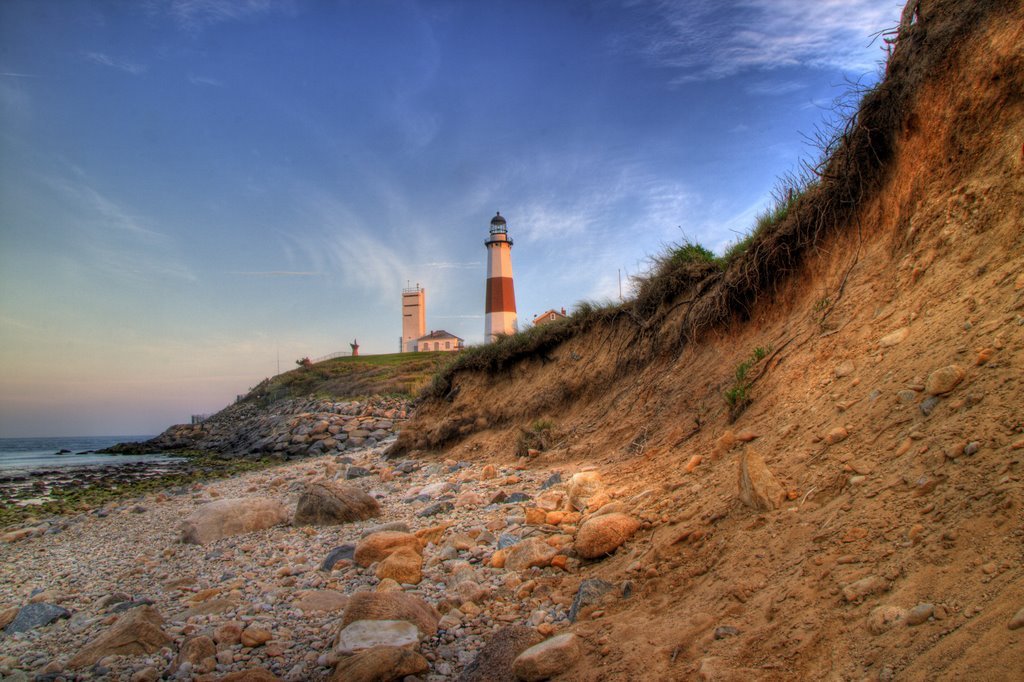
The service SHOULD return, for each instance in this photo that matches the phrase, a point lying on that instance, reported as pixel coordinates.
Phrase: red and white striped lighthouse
(500, 308)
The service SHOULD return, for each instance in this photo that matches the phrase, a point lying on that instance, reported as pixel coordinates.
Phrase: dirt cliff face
(886, 379)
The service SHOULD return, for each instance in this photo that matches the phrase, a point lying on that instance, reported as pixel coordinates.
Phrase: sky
(194, 193)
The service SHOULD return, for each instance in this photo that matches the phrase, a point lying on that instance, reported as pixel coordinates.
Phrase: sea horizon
(62, 452)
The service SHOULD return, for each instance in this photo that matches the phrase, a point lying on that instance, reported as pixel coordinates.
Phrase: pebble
(894, 338)
(1017, 621)
(944, 380)
(920, 614)
(928, 405)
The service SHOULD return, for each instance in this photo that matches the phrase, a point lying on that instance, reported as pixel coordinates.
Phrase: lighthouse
(500, 305)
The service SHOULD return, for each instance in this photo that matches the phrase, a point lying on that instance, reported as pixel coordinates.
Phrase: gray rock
(337, 554)
(928, 405)
(434, 509)
(553, 479)
(356, 472)
(726, 631)
(589, 593)
(33, 616)
(517, 497)
(507, 540)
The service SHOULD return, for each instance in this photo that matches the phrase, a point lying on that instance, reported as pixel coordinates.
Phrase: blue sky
(190, 189)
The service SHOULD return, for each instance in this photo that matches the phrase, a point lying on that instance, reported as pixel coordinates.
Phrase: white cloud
(275, 273)
(204, 80)
(197, 14)
(444, 265)
(119, 64)
(708, 39)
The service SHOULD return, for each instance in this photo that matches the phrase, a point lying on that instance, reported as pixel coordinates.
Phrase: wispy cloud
(119, 64)
(113, 237)
(470, 265)
(334, 239)
(9, 74)
(198, 14)
(276, 273)
(773, 88)
(708, 39)
(204, 80)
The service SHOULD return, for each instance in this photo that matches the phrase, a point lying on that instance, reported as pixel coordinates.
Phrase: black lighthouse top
(499, 231)
(498, 224)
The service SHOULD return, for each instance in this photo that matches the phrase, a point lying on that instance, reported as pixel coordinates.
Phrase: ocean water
(20, 455)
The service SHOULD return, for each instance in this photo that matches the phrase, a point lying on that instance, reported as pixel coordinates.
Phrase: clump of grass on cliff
(535, 342)
(541, 435)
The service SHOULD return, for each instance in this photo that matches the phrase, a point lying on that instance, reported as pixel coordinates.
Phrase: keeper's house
(439, 340)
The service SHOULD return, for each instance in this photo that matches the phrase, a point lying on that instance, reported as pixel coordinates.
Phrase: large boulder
(367, 634)
(380, 664)
(324, 503)
(392, 606)
(603, 534)
(404, 565)
(137, 632)
(493, 663)
(378, 546)
(758, 487)
(223, 518)
(32, 616)
(582, 487)
(547, 659)
(528, 553)
(198, 651)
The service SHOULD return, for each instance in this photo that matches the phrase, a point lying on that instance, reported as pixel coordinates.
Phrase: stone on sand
(758, 487)
(391, 606)
(325, 503)
(380, 664)
(604, 534)
(547, 659)
(139, 631)
(367, 634)
(493, 663)
(582, 487)
(234, 516)
(378, 546)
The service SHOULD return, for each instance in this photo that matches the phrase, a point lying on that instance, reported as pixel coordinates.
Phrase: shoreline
(48, 494)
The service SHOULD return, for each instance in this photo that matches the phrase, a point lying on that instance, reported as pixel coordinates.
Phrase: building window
(437, 345)
(447, 345)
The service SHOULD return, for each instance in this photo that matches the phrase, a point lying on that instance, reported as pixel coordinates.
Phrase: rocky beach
(347, 566)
